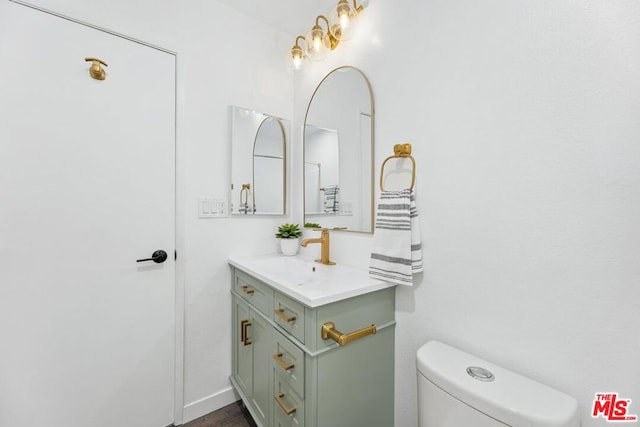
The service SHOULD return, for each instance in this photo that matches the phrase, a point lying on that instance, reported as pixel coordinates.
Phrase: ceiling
(291, 16)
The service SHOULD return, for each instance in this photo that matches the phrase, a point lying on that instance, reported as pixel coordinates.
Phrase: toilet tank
(457, 389)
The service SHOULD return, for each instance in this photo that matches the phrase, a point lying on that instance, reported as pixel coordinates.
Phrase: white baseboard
(209, 404)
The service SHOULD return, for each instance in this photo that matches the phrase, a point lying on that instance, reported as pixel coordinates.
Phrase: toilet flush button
(480, 374)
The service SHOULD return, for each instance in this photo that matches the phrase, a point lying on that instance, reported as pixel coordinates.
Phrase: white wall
(232, 60)
(525, 124)
(224, 58)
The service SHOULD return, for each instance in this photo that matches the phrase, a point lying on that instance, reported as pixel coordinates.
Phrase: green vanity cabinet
(289, 375)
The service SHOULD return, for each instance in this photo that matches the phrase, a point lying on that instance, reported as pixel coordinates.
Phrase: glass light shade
(317, 44)
(297, 57)
(341, 20)
(297, 62)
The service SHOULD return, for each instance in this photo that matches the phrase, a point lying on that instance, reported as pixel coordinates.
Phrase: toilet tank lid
(510, 398)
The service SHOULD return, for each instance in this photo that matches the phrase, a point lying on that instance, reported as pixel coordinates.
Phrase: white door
(86, 188)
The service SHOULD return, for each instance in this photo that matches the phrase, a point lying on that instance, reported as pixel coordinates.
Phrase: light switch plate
(212, 207)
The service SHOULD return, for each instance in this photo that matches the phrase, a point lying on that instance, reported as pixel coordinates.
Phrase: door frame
(179, 212)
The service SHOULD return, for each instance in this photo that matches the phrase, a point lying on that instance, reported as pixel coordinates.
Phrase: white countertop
(311, 283)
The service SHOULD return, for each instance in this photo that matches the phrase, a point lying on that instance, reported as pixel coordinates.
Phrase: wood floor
(233, 415)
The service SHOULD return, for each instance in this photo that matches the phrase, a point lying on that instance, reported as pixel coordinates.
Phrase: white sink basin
(289, 271)
(307, 281)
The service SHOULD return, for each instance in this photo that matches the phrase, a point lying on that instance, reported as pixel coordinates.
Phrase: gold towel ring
(400, 151)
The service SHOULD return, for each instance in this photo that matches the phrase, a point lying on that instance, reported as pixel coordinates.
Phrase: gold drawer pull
(242, 329)
(278, 358)
(329, 331)
(286, 410)
(247, 290)
(280, 313)
(244, 325)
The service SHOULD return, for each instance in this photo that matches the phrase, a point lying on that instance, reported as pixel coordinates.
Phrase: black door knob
(158, 256)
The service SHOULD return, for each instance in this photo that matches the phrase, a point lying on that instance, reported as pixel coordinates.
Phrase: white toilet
(457, 389)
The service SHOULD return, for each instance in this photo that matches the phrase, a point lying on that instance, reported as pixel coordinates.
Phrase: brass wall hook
(96, 71)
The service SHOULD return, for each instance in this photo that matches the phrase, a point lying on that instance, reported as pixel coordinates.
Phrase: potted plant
(289, 235)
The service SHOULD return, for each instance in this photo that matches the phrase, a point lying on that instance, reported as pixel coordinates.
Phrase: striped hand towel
(331, 203)
(397, 251)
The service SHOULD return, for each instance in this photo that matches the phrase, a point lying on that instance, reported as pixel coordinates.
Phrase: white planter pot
(289, 247)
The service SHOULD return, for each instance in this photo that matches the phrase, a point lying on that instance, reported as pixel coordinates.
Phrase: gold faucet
(324, 242)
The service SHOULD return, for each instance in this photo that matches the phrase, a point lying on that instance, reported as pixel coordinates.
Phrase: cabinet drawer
(288, 407)
(282, 420)
(288, 362)
(289, 315)
(256, 293)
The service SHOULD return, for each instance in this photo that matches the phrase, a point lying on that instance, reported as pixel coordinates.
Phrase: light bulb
(344, 20)
(317, 44)
(297, 62)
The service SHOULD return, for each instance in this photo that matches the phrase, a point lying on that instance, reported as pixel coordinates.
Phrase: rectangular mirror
(258, 163)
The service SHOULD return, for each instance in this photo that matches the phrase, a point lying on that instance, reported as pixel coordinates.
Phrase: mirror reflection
(321, 171)
(338, 152)
(258, 163)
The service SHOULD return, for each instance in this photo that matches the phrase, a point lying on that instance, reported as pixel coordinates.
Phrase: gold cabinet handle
(280, 314)
(242, 329)
(284, 365)
(286, 410)
(247, 290)
(96, 71)
(329, 331)
(244, 335)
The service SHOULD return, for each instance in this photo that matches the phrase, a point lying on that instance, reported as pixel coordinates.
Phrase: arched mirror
(258, 163)
(338, 152)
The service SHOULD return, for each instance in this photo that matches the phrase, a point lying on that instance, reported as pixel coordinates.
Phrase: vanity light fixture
(339, 27)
